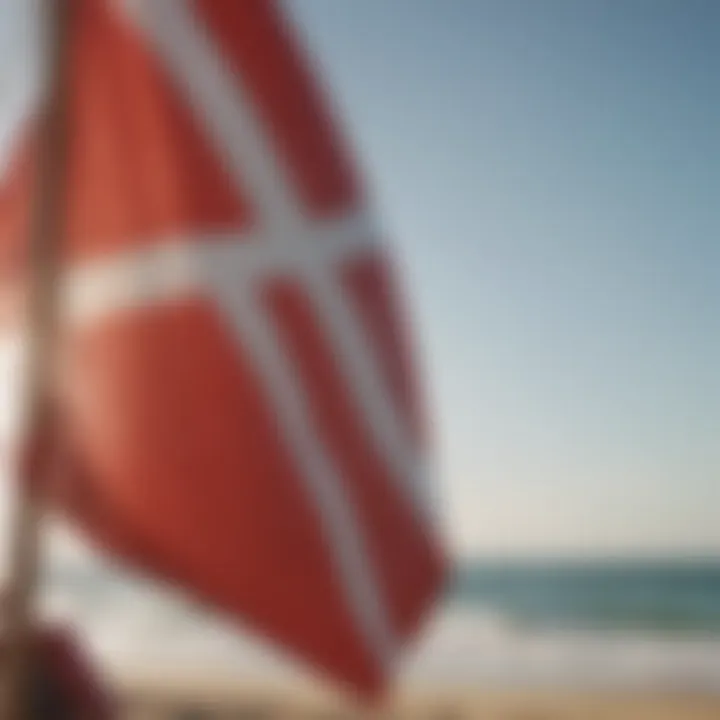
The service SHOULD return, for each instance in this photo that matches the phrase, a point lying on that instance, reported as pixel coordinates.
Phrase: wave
(477, 647)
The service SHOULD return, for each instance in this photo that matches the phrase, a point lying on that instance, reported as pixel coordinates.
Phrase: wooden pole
(46, 226)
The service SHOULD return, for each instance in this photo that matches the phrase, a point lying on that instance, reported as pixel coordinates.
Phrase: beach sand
(161, 702)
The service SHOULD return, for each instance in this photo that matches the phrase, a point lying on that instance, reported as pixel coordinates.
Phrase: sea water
(660, 596)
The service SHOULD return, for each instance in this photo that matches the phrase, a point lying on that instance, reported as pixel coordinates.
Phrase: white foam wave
(467, 648)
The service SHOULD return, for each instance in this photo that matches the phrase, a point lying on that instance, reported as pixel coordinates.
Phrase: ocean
(620, 624)
(662, 597)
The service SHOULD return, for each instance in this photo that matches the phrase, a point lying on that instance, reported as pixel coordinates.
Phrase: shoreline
(150, 700)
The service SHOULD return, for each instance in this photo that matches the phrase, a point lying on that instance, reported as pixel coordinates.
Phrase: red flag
(236, 383)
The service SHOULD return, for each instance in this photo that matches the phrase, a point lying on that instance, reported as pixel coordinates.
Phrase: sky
(549, 176)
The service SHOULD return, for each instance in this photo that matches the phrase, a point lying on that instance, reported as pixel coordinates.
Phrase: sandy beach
(164, 701)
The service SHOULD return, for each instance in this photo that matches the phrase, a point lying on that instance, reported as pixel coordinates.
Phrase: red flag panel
(236, 383)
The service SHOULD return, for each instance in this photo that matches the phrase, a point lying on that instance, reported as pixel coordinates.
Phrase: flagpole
(45, 230)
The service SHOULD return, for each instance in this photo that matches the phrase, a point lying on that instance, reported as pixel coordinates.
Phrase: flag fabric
(235, 386)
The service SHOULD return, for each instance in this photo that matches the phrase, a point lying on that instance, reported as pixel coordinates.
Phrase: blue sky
(549, 173)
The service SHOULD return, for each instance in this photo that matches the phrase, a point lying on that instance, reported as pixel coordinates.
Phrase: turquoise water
(677, 597)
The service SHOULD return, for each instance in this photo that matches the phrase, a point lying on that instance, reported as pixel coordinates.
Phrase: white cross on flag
(235, 384)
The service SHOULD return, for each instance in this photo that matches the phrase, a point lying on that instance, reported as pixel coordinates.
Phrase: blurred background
(549, 176)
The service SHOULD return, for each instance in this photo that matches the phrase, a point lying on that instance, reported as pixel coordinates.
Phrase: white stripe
(174, 30)
(180, 266)
(220, 101)
(254, 333)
